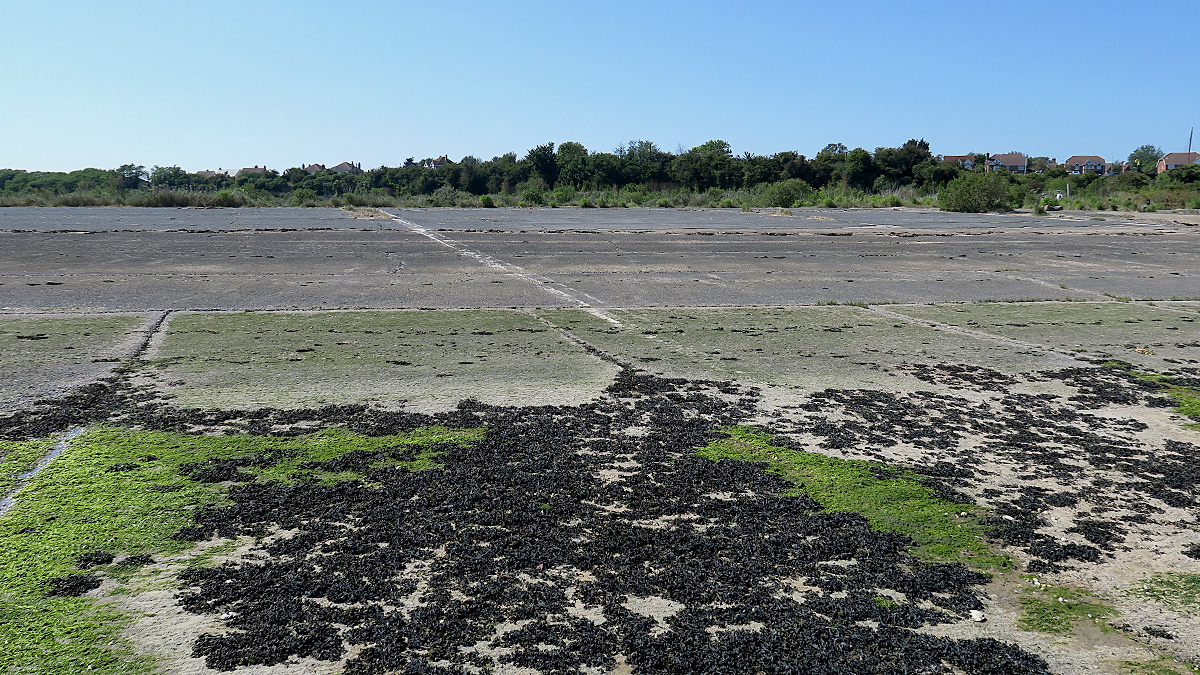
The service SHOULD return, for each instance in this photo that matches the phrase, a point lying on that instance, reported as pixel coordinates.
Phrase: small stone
(978, 616)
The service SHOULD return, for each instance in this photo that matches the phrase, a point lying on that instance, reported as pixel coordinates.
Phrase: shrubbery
(304, 197)
(785, 193)
(976, 193)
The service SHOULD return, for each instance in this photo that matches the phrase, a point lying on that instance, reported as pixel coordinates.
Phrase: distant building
(314, 168)
(1014, 162)
(206, 173)
(256, 169)
(347, 167)
(965, 161)
(435, 163)
(1085, 164)
(1174, 160)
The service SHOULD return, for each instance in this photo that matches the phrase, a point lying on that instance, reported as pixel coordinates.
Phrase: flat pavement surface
(114, 259)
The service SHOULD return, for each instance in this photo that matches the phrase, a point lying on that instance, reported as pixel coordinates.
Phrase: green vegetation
(1187, 399)
(898, 503)
(977, 193)
(19, 457)
(122, 492)
(638, 173)
(785, 193)
(1178, 590)
(1164, 665)
(1051, 609)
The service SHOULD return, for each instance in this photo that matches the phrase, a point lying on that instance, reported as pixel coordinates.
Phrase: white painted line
(950, 328)
(509, 269)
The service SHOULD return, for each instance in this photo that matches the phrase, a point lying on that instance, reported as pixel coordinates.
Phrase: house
(314, 168)
(256, 169)
(964, 161)
(209, 173)
(435, 163)
(1012, 161)
(347, 167)
(1085, 164)
(1174, 160)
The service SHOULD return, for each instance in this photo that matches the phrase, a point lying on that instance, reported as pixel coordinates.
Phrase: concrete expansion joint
(153, 329)
(584, 344)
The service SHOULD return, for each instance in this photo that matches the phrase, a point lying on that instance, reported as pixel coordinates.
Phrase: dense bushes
(976, 193)
(785, 193)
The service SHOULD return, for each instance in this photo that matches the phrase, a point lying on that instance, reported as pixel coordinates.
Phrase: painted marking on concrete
(951, 328)
(509, 269)
(1047, 284)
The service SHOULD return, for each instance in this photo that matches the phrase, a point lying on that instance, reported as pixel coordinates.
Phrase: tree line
(636, 173)
(711, 165)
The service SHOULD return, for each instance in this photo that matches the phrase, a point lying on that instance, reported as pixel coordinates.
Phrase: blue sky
(231, 84)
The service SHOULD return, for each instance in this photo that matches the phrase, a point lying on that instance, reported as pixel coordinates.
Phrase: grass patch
(1178, 590)
(898, 503)
(1163, 665)
(1051, 609)
(1187, 400)
(17, 457)
(122, 492)
(332, 444)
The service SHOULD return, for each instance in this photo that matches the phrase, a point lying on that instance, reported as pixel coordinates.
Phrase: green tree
(860, 169)
(708, 165)
(171, 177)
(934, 174)
(829, 165)
(544, 162)
(1145, 158)
(605, 170)
(644, 162)
(572, 159)
(130, 176)
(897, 164)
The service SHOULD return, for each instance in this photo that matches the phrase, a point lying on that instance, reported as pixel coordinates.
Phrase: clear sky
(281, 83)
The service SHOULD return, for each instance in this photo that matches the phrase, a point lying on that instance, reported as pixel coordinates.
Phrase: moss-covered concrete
(422, 359)
(41, 355)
